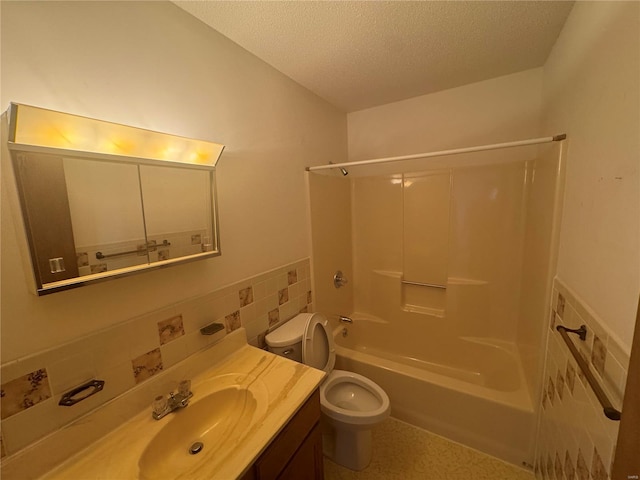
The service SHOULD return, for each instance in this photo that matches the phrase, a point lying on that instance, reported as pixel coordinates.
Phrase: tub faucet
(345, 319)
(163, 406)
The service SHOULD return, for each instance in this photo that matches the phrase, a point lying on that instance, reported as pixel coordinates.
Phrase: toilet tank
(286, 340)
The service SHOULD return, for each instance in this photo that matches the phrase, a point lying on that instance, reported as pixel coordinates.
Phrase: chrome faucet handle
(339, 279)
(184, 388)
(345, 319)
(162, 405)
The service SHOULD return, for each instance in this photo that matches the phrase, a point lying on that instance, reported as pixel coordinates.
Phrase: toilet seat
(351, 404)
(372, 410)
(318, 347)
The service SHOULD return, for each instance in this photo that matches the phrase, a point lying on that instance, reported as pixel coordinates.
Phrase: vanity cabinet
(296, 452)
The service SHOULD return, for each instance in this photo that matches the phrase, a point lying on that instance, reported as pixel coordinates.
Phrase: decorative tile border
(246, 296)
(129, 353)
(283, 296)
(24, 392)
(575, 440)
(147, 365)
(170, 329)
(233, 322)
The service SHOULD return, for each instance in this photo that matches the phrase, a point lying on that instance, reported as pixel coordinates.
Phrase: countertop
(284, 386)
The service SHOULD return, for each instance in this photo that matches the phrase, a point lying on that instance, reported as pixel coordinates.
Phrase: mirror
(91, 216)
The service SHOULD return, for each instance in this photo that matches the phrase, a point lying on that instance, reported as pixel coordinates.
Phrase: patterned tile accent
(292, 277)
(560, 384)
(196, 239)
(168, 336)
(598, 470)
(24, 392)
(560, 305)
(569, 466)
(598, 355)
(570, 376)
(246, 296)
(83, 259)
(558, 467)
(581, 467)
(147, 365)
(574, 439)
(99, 268)
(151, 245)
(232, 322)
(283, 296)
(274, 317)
(170, 329)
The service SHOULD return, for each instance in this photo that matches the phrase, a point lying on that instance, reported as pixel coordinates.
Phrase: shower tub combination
(451, 265)
(470, 390)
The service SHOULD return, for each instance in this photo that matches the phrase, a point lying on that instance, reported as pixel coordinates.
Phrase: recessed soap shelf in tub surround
(80, 393)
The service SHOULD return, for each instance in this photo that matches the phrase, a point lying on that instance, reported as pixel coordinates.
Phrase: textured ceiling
(366, 53)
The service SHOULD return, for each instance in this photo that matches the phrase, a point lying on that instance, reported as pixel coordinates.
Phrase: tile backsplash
(575, 440)
(128, 353)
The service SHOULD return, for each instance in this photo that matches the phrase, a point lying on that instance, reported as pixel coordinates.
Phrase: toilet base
(350, 448)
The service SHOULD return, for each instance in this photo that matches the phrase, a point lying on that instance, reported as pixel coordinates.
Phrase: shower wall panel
(426, 227)
(486, 238)
(330, 201)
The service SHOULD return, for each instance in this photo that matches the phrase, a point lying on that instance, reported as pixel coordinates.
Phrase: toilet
(351, 404)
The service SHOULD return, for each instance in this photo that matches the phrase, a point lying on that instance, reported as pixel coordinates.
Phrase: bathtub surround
(574, 436)
(130, 353)
(449, 264)
(331, 241)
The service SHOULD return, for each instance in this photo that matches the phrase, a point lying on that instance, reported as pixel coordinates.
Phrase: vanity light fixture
(34, 128)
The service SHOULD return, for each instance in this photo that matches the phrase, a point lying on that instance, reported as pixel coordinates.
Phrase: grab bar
(609, 411)
(432, 285)
(149, 246)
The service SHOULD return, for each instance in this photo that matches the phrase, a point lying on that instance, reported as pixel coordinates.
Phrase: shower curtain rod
(442, 153)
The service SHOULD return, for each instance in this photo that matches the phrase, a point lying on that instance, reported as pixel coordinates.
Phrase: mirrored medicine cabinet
(101, 200)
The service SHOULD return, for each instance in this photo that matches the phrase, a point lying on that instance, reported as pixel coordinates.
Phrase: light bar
(39, 127)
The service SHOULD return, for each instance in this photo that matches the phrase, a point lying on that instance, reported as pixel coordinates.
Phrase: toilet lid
(318, 348)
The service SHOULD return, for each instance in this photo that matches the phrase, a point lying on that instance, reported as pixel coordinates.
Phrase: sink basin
(209, 425)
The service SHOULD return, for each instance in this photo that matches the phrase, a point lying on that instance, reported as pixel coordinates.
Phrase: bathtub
(469, 390)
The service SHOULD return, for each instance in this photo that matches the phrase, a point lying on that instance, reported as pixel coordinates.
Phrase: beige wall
(151, 65)
(591, 92)
(497, 110)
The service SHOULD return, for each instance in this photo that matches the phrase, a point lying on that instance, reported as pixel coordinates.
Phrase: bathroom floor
(404, 452)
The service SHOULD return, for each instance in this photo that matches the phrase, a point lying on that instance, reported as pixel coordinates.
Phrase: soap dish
(211, 328)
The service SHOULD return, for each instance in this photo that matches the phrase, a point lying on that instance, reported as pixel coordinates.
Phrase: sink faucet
(163, 406)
